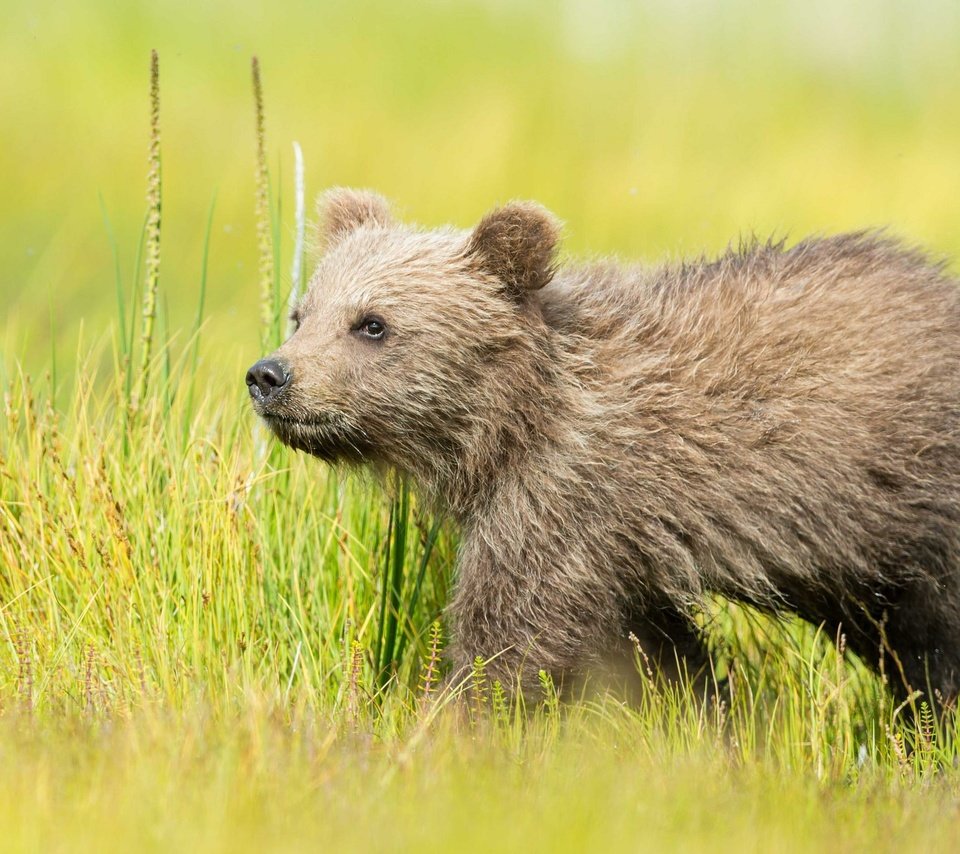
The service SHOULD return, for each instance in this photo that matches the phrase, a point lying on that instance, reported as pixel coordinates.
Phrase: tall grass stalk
(201, 305)
(299, 195)
(117, 281)
(152, 237)
(128, 375)
(391, 585)
(265, 243)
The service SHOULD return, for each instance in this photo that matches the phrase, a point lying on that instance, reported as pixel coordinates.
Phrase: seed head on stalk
(264, 238)
(300, 220)
(152, 239)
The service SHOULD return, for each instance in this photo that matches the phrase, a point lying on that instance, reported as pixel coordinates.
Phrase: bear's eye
(371, 327)
(295, 319)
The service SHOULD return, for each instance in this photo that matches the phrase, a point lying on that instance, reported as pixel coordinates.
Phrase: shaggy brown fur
(780, 426)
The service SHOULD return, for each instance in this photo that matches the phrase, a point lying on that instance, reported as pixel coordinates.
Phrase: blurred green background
(653, 129)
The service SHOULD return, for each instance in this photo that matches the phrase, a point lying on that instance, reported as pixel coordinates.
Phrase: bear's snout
(266, 379)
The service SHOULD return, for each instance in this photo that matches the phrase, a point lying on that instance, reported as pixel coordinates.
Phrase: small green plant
(431, 666)
(499, 704)
(355, 692)
(479, 690)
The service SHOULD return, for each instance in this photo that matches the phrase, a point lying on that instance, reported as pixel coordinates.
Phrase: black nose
(266, 378)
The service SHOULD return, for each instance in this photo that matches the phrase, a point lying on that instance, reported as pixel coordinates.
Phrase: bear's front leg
(526, 617)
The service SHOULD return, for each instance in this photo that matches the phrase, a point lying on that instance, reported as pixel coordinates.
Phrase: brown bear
(780, 426)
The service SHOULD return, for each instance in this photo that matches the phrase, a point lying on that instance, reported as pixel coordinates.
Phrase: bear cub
(780, 426)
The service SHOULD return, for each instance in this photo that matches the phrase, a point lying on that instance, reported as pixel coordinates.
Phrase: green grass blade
(117, 279)
(198, 322)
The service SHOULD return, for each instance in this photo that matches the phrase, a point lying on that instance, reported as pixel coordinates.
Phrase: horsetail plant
(478, 689)
(431, 667)
(354, 686)
(499, 704)
(551, 697)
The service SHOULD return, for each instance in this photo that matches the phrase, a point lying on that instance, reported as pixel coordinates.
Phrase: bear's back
(851, 309)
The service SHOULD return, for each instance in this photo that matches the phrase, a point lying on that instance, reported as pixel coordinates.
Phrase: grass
(208, 642)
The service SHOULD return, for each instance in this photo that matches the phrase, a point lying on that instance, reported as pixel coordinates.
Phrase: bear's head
(410, 343)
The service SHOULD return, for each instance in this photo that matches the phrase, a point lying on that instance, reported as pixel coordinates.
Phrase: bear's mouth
(330, 439)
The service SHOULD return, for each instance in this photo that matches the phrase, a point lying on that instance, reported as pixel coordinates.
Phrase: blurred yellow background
(653, 129)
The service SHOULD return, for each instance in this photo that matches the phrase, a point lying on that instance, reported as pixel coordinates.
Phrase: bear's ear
(517, 243)
(342, 211)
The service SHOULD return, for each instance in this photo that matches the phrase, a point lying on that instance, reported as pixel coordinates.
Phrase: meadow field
(208, 642)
